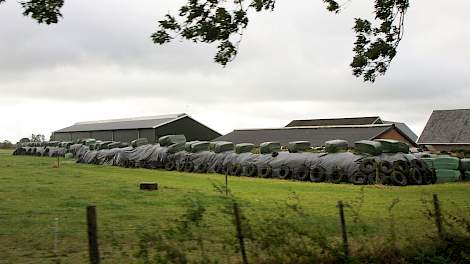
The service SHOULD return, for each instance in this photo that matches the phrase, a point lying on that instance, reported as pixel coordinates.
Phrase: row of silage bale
(447, 168)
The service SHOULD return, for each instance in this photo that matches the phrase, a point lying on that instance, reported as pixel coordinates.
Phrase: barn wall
(394, 134)
(62, 136)
(80, 135)
(125, 135)
(102, 135)
(148, 133)
(192, 129)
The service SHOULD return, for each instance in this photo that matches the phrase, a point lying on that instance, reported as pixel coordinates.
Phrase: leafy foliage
(222, 22)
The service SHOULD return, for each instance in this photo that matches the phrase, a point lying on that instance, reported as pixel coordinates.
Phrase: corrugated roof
(336, 121)
(447, 126)
(316, 135)
(127, 123)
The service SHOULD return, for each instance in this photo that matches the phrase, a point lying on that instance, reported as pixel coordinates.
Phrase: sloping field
(42, 209)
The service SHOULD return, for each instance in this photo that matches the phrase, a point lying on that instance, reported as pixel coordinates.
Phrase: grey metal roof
(117, 124)
(336, 121)
(405, 129)
(316, 135)
(447, 126)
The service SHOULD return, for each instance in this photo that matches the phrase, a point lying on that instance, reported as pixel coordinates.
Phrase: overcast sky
(100, 63)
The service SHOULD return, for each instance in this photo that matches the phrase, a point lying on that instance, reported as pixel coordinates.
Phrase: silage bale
(244, 148)
(199, 146)
(389, 145)
(269, 147)
(223, 146)
(171, 139)
(139, 142)
(298, 146)
(174, 148)
(446, 175)
(369, 147)
(465, 164)
(446, 163)
(337, 145)
(188, 145)
(104, 144)
(429, 162)
(90, 141)
(115, 145)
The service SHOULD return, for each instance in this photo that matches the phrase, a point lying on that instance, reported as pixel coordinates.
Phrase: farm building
(126, 130)
(351, 121)
(317, 131)
(447, 130)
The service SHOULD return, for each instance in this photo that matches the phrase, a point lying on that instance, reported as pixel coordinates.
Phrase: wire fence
(232, 232)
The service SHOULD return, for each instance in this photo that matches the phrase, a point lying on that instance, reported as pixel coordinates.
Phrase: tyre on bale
(359, 178)
(399, 178)
(427, 176)
(219, 168)
(250, 170)
(317, 174)
(236, 170)
(170, 165)
(368, 165)
(301, 173)
(180, 166)
(336, 176)
(401, 165)
(284, 172)
(188, 166)
(415, 176)
(265, 171)
(386, 167)
(202, 168)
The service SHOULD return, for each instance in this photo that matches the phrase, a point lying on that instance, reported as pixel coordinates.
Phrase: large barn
(447, 130)
(317, 131)
(126, 130)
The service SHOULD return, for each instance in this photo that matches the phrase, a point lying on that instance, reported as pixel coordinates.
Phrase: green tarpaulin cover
(370, 147)
(223, 146)
(444, 175)
(269, 147)
(244, 148)
(337, 145)
(171, 139)
(446, 163)
(298, 146)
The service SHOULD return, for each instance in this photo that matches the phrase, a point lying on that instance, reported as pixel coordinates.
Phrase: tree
(38, 138)
(222, 22)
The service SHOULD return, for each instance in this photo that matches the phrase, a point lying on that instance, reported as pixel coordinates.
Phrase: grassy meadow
(42, 208)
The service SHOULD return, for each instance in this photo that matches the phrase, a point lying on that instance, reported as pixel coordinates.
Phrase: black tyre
(401, 165)
(415, 176)
(399, 178)
(368, 165)
(180, 166)
(219, 168)
(427, 176)
(251, 170)
(188, 166)
(386, 167)
(202, 168)
(417, 163)
(265, 172)
(170, 165)
(317, 174)
(336, 175)
(284, 172)
(236, 170)
(434, 176)
(359, 178)
(301, 173)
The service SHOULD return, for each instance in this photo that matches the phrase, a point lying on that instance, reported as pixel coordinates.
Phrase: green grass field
(34, 193)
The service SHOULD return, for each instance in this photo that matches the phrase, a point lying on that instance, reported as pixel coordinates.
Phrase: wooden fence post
(92, 235)
(236, 211)
(344, 233)
(438, 215)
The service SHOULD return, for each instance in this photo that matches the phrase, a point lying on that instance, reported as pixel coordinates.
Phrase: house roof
(317, 135)
(126, 123)
(336, 121)
(447, 127)
(405, 129)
